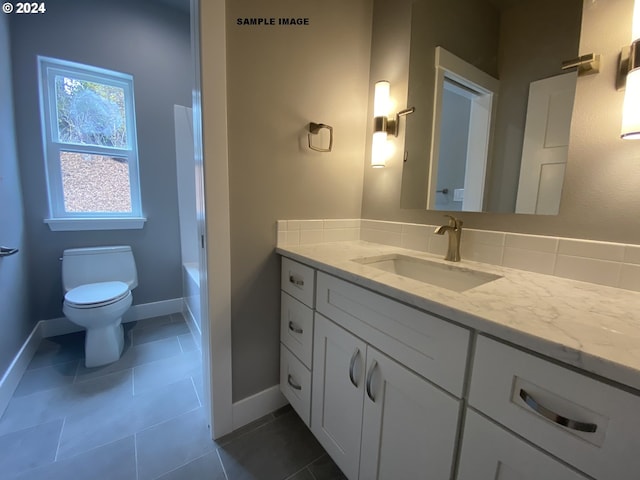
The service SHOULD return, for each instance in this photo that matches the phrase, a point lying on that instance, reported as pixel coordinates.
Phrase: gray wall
(600, 197)
(279, 80)
(14, 311)
(526, 56)
(433, 23)
(151, 42)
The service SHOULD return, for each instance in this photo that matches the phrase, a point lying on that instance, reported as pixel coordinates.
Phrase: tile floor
(141, 418)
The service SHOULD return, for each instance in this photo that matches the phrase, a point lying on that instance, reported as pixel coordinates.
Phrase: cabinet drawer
(296, 327)
(589, 424)
(298, 281)
(430, 346)
(295, 383)
(489, 452)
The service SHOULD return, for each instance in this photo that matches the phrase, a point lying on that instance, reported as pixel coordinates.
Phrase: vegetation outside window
(90, 147)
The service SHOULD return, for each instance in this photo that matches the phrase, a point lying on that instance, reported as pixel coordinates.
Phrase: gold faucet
(454, 228)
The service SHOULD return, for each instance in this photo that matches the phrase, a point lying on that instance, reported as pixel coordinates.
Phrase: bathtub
(191, 292)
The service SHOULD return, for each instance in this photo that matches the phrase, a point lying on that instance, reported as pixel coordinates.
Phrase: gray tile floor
(141, 418)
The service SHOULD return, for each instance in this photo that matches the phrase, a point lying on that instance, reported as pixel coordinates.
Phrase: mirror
(493, 106)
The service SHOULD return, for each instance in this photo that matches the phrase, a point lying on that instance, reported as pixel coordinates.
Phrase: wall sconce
(631, 70)
(383, 126)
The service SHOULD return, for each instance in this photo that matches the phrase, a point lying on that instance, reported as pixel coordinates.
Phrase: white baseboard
(62, 326)
(252, 408)
(191, 323)
(14, 373)
(153, 309)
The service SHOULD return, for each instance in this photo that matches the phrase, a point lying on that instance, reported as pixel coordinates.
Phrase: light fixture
(382, 124)
(631, 107)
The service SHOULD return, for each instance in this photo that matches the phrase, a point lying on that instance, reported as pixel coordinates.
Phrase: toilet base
(103, 345)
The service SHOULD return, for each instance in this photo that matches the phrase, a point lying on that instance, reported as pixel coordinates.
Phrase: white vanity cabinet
(374, 416)
(296, 335)
(391, 391)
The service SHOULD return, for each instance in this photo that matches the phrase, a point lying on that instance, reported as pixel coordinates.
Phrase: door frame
(483, 113)
(212, 197)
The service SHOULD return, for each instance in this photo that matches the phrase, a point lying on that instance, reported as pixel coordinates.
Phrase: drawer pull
(293, 384)
(554, 417)
(370, 380)
(296, 281)
(352, 365)
(294, 328)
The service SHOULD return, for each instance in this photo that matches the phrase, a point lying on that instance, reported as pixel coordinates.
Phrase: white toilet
(97, 283)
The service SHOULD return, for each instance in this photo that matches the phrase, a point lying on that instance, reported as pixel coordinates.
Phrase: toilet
(97, 282)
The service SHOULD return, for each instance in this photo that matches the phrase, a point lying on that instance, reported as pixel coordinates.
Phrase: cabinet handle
(294, 328)
(296, 281)
(352, 365)
(293, 384)
(370, 379)
(556, 418)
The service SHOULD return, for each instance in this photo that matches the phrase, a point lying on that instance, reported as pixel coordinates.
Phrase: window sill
(77, 224)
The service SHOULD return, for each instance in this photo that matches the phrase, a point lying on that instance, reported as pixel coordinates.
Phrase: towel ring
(314, 129)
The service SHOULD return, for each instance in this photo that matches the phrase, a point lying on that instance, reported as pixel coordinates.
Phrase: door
(546, 144)
(491, 453)
(409, 425)
(337, 393)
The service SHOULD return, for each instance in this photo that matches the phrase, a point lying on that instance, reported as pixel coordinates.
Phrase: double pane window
(89, 141)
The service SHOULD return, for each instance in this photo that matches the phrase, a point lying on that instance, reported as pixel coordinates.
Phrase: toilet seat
(94, 295)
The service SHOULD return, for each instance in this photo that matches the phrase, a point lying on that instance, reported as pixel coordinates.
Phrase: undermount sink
(442, 275)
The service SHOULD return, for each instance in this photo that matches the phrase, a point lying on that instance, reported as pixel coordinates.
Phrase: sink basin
(442, 275)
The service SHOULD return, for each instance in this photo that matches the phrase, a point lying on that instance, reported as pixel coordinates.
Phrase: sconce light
(382, 124)
(631, 107)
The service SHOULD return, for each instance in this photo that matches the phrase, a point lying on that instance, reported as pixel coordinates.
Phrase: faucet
(454, 228)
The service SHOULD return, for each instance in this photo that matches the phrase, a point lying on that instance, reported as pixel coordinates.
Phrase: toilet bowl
(98, 283)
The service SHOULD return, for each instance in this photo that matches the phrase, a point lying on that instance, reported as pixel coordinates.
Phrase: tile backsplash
(604, 263)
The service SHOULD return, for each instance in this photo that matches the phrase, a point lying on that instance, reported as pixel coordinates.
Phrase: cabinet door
(491, 453)
(337, 393)
(409, 426)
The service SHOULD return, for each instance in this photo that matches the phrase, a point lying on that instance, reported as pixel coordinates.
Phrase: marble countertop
(592, 327)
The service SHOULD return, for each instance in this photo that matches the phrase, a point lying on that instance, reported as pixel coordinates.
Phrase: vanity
(405, 366)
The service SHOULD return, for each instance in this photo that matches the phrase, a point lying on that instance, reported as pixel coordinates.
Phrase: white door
(337, 393)
(490, 452)
(409, 426)
(546, 143)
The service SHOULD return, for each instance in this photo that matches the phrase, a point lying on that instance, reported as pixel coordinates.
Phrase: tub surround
(585, 325)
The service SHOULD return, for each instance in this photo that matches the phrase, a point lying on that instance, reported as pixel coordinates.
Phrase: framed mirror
(493, 106)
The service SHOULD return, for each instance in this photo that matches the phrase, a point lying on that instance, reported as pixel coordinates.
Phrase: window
(90, 148)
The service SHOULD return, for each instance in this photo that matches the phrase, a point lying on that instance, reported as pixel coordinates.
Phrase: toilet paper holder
(6, 251)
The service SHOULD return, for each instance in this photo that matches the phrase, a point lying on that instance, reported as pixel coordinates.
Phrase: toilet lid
(96, 293)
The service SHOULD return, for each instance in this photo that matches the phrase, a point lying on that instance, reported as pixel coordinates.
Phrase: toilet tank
(98, 264)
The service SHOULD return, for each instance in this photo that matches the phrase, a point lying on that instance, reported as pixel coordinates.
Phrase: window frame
(59, 218)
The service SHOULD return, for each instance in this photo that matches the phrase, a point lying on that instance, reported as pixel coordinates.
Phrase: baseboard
(62, 326)
(191, 323)
(14, 373)
(153, 309)
(252, 408)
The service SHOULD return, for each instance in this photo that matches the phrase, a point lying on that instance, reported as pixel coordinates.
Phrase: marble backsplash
(603, 263)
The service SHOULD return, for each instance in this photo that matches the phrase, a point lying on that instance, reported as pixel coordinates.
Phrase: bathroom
(250, 185)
